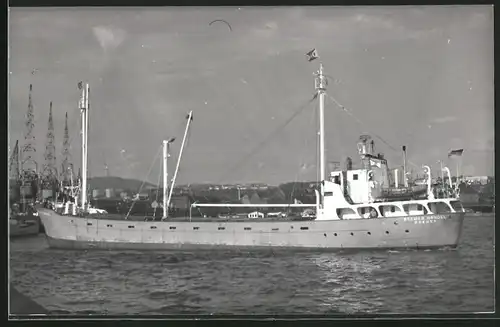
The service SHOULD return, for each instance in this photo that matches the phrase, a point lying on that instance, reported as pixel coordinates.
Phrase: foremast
(167, 196)
(166, 154)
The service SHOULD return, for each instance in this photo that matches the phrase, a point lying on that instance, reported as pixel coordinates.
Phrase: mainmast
(84, 105)
(320, 85)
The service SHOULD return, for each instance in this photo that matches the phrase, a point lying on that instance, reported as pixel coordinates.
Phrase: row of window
(246, 228)
(196, 227)
(436, 208)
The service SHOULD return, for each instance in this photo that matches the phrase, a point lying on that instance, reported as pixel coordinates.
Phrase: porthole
(387, 232)
(352, 234)
(407, 231)
(109, 225)
(335, 234)
(324, 234)
(369, 233)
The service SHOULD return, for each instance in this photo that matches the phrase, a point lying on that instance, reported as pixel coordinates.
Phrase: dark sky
(420, 76)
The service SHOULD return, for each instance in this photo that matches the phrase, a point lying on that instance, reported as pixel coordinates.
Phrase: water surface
(262, 282)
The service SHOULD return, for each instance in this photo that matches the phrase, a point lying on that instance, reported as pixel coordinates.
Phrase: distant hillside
(118, 183)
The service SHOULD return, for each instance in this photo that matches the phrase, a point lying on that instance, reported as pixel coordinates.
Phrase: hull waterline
(430, 231)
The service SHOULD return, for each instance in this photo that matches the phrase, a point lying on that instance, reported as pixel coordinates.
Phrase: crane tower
(29, 166)
(49, 175)
(66, 156)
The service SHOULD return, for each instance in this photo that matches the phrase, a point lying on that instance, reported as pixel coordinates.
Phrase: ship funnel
(363, 145)
(348, 163)
(405, 180)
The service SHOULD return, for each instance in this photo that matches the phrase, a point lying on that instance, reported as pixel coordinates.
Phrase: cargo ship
(352, 211)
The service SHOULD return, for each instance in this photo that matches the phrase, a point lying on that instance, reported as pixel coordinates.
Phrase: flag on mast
(311, 55)
(455, 153)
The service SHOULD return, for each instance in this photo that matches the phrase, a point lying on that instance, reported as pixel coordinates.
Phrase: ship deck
(203, 219)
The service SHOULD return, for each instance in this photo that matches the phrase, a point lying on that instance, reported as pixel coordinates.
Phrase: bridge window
(346, 213)
(368, 212)
(393, 209)
(196, 228)
(153, 227)
(89, 224)
(247, 228)
(131, 226)
(172, 227)
(336, 179)
(221, 228)
(328, 193)
(304, 228)
(355, 177)
(415, 208)
(275, 229)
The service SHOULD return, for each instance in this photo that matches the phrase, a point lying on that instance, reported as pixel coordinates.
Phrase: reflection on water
(262, 282)
(346, 278)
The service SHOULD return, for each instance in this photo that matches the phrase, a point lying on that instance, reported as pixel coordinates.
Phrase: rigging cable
(350, 113)
(269, 137)
(144, 181)
(301, 156)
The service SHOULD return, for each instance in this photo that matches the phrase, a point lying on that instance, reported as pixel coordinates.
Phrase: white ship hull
(429, 231)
